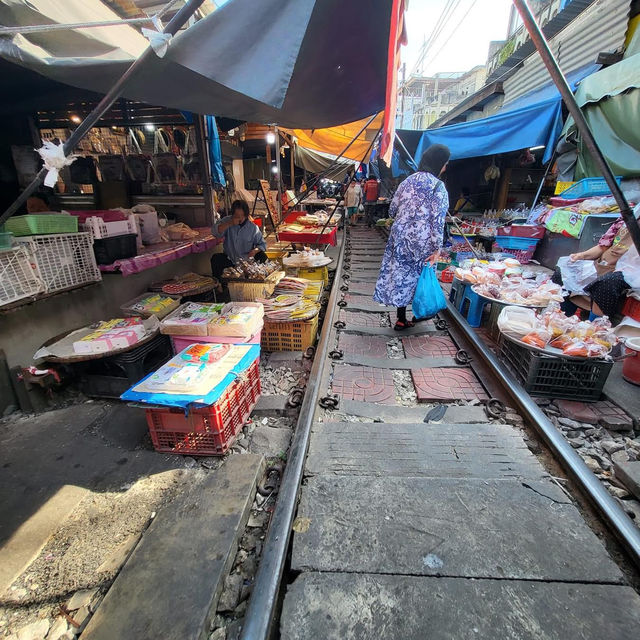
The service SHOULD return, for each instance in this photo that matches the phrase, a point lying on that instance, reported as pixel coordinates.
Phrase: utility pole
(402, 92)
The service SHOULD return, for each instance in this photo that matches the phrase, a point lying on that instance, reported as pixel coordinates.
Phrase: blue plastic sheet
(186, 401)
(533, 120)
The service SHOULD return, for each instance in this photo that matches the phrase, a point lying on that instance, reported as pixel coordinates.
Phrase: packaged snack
(537, 338)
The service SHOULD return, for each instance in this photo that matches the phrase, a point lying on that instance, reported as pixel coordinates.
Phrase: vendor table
(163, 252)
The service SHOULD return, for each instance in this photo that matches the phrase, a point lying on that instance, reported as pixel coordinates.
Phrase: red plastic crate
(329, 237)
(446, 275)
(522, 231)
(631, 308)
(206, 431)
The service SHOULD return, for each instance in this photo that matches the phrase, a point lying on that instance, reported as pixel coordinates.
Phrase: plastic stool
(476, 307)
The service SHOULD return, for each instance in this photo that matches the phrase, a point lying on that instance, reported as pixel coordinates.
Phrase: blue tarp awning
(533, 120)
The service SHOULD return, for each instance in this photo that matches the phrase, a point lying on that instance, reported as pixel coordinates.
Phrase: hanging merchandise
(215, 152)
(492, 172)
(111, 168)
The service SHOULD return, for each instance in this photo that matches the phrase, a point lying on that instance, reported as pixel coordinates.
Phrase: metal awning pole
(175, 24)
(565, 91)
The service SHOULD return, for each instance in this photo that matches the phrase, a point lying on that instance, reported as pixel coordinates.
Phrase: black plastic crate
(555, 377)
(111, 376)
(108, 250)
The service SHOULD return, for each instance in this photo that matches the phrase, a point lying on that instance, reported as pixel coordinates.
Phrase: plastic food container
(631, 366)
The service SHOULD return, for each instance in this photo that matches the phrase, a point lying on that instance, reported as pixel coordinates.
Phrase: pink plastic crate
(180, 342)
(108, 215)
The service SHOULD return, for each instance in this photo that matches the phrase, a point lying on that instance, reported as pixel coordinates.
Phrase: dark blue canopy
(532, 120)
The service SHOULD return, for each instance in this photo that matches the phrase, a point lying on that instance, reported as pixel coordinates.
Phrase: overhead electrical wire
(446, 42)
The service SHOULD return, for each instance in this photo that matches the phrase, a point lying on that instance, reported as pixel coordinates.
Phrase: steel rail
(172, 27)
(619, 522)
(262, 605)
(581, 123)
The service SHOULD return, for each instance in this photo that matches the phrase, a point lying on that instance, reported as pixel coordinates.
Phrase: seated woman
(605, 294)
(242, 239)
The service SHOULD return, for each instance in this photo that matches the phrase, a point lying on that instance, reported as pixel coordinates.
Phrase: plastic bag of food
(537, 338)
(180, 231)
(561, 342)
(517, 321)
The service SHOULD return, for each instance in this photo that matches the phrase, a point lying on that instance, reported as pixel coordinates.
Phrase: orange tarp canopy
(334, 139)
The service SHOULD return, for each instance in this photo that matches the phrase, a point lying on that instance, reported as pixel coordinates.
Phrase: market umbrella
(297, 63)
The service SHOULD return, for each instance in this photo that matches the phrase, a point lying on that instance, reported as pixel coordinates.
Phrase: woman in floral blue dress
(419, 208)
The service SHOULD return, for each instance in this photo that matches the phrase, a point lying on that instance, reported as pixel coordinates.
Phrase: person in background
(352, 200)
(419, 207)
(606, 293)
(242, 239)
(371, 189)
(464, 202)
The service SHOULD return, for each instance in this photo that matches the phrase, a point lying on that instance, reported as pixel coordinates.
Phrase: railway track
(426, 495)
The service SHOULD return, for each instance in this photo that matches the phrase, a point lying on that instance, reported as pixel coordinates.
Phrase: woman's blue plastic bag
(429, 298)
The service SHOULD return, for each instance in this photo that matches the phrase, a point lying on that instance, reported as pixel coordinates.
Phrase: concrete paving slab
(360, 607)
(623, 393)
(447, 384)
(362, 319)
(429, 347)
(460, 414)
(364, 303)
(272, 405)
(629, 474)
(375, 346)
(401, 363)
(422, 328)
(363, 288)
(420, 450)
(76, 446)
(170, 585)
(28, 540)
(364, 383)
(505, 529)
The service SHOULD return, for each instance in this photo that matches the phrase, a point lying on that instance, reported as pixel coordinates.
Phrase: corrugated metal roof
(601, 27)
(554, 26)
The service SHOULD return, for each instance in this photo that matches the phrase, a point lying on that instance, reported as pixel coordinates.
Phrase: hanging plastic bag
(576, 275)
(429, 298)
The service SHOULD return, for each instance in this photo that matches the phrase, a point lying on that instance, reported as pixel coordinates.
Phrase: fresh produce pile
(554, 332)
(250, 270)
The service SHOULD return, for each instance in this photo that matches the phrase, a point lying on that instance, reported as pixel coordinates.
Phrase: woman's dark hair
(434, 159)
(240, 204)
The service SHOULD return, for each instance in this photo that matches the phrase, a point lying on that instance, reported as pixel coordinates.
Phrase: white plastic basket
(18, 277)
(101, 229)
(64, 260)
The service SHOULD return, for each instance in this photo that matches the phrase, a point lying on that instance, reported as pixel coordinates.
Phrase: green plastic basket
(34, 225)
(5, 240)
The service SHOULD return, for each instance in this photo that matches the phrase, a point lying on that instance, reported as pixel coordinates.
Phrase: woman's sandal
(401, 326)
